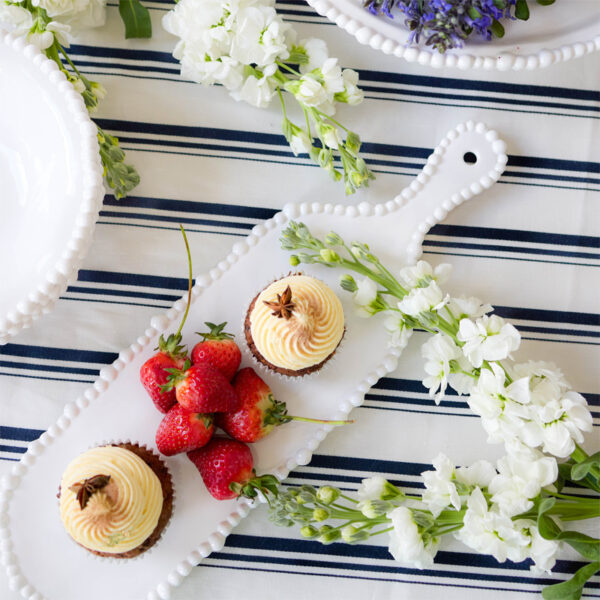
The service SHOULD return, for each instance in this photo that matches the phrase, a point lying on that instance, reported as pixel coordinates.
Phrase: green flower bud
(308, 531)
(352, 535)
(391, 492)
(329, 255)
(333, 239)
(328, 494)
(306, 258)
(308, 489)
(327, 534)
(294, 260)
(353, 143)
(373, 509)
(305, 498)
(348, 283)
(320, 514)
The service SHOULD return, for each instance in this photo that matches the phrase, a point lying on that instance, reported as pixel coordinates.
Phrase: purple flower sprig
(446, 24)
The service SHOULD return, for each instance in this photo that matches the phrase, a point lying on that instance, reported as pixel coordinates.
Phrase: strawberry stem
(189, 259)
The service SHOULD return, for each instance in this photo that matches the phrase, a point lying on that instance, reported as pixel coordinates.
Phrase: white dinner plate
(565, 30)
(50, 183)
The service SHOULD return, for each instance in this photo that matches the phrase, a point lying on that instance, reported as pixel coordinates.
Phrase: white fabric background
(551, 187)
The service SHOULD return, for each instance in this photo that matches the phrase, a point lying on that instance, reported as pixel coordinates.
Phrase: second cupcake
(294, 325)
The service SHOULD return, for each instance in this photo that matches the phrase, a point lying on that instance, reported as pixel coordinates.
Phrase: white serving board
(41, 559)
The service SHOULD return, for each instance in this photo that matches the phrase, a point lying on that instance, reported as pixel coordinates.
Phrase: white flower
(60, 32)
(41, 39)
(351, 94)
(438, 351)
(479, 474)
(312, 93)
(16, 19)
(440, 490)
(226, 71)
(422, 299)
(489, 532)
(372, 488)
(317, 54)
(461, 381)
(539, 372)
(542, 552)
(561, 423)
(257, 91)
(488, 338)
(422, 273)
(406, 544)
(330, 135)
(259, 36)
(399, 333)
(78, 14)
(300, 143)
(503, 409)
(364, 296)
(468, 307)
(331, 74)
(520, 478)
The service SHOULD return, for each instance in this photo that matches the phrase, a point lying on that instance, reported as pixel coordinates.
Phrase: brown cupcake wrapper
(161, 470)
(259, 360)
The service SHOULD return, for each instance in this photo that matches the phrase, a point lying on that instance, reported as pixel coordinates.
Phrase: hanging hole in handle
(470, 158)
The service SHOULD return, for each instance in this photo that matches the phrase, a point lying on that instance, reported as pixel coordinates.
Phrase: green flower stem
(580, 455)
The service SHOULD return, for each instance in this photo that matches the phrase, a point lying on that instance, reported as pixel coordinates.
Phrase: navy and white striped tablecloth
(529, 246)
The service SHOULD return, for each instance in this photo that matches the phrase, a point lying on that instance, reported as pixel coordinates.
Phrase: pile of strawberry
(204, 391)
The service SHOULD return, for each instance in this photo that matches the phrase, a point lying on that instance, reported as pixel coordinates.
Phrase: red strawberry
(259, 412)
(181, 431)
(218, 349)
(202, 388)
(154, 374)
(227, 469)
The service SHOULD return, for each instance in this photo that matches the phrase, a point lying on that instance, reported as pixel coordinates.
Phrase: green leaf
(497, 29)
(522, 10)
(580, 470)
(571, 589)
(587, 546)
(546, 2)
(136, 18)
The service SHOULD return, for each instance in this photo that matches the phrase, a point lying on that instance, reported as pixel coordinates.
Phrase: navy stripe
(129, 215)
(50, 368)
(515, 235)
(551, 316)
(133, 279)
(107, 292)
(498, 248)
(444, 83)
(192, 206)
(494, 99)
(20, 433)
(16, 449)
(66, 354)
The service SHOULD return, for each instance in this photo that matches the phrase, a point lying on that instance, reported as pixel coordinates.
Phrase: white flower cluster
(489, 497)
(68, 17)
(238, 44)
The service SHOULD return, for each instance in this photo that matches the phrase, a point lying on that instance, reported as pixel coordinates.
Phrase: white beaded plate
(50, 183)
(37, 553)
(567, 29)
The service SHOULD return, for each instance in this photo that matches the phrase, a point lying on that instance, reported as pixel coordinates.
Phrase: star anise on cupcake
(89, 486)
(283, 306)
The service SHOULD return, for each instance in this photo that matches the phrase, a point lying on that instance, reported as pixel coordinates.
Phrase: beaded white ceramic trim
(502, 61)
(457, 141)
(41, 299)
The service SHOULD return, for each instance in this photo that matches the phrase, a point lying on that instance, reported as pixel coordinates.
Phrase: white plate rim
(40, 299)
(461, 59)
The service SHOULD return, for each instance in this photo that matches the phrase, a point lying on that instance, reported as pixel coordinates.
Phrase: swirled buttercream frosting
(301, 333)
(123, 513)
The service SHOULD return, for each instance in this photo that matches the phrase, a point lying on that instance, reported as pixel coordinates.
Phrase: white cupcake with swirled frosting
(295, 325)
(116, 500)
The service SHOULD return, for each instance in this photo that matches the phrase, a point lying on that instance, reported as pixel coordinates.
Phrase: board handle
(469, 160)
